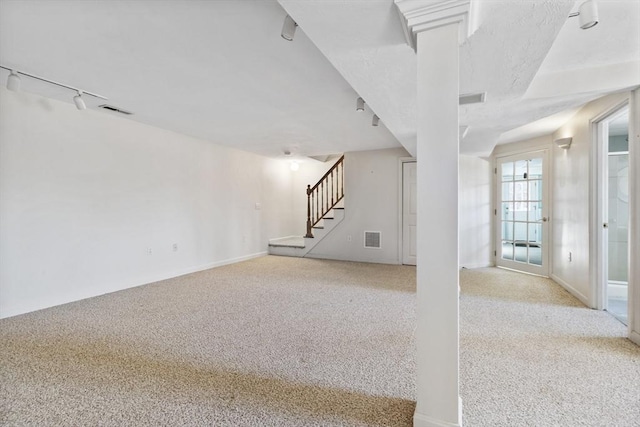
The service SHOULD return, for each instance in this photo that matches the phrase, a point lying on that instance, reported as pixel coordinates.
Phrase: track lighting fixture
(80, 105)
(588, 13)
(288, 28)
(375, 120)
(360, 104)
(13, 81)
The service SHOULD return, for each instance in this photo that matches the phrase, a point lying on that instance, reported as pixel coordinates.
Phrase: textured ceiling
(503, 57)
(219, 70)
(216, 70)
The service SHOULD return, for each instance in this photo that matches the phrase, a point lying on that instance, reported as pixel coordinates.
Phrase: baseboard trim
(23, 309)
(472, 266)
(421, 420)
(634, 337)
(573, 291)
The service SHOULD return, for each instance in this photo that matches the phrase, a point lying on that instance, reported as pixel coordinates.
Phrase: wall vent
(115, 109)
(372, 239)
(472, 98)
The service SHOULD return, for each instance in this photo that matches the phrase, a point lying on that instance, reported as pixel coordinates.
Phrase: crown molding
(423, 15)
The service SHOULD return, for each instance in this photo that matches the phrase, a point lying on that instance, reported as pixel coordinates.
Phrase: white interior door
(522, 220)
(409, 212)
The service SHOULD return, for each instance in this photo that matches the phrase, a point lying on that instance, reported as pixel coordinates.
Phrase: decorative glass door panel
(521, 213)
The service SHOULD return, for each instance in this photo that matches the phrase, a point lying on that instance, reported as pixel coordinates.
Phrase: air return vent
(115, 109)
(372, 239)
(472, 98)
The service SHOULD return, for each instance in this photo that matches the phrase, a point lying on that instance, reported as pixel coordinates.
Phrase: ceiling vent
(372, 239)
(115, 109)
(472, 98)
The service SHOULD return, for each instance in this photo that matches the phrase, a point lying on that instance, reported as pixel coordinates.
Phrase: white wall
(85, 194)
(476, 242)
(372, 189)
(571, 206)
(371, 204)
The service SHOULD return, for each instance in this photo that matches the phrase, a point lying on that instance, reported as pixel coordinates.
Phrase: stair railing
(323, 196)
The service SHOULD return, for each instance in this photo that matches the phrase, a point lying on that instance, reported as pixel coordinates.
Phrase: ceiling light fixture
(294, 166)
(375, 120)
(288, 28)
(360, 104)
(13, 83)
(588, 13)
(80, 105)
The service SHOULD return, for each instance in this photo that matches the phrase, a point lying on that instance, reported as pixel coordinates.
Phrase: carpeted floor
(533, 355)
(270, 342)
(281, 341)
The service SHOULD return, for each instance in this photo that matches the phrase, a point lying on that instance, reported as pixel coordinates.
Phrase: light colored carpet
(273, 341)
(282, 341)
(533, 355)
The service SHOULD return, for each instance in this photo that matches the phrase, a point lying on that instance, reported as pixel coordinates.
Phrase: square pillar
(437, 333)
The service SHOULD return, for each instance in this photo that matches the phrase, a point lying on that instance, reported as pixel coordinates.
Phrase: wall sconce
(564, 142)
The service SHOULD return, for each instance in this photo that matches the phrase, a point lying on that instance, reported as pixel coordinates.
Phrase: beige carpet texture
(279, 341)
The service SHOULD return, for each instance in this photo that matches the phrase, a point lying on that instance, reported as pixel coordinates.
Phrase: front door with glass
(521, 213)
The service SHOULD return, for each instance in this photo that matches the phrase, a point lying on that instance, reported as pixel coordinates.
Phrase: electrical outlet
(570, 257)
(149, 251)
(175, 247)
(349, 238)
(258, 206)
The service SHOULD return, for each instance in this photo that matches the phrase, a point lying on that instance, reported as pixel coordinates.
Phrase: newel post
(309, 234)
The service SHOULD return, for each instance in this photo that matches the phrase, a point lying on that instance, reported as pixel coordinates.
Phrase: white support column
(434, 29)
(437, 266)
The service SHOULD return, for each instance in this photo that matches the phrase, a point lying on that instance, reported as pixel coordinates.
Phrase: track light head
(360, 104)
(288, 28)
(13, 81)
(588, 14)
(80, 105)
(375, 120)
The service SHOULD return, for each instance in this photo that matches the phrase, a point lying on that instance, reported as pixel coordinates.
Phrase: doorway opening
(613, 207)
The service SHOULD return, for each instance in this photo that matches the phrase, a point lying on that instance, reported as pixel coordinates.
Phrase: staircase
(325, 210)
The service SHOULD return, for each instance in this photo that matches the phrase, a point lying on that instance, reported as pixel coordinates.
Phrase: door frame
(599, 183)
(546, 255)
(401, 162)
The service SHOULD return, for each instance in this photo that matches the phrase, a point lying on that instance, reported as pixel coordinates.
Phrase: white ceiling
(220, 71)
(216, 70)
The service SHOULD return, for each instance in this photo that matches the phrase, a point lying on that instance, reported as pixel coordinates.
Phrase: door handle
(605, 225)
(545, 219)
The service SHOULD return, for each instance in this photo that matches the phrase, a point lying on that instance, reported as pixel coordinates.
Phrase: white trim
(421, 420)
(634, 215)
(417, 16)
(573, 291)
(150, 279)
(480, 265)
